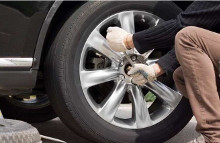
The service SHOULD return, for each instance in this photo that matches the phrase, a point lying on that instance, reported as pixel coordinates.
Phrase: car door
(20, 26)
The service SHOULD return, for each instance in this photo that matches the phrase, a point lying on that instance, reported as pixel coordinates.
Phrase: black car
(55, 53)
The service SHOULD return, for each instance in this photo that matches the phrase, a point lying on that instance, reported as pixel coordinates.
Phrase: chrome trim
(16, 62)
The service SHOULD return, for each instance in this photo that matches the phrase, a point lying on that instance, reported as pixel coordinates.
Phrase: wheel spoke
(151, 61)
(153, 22)
(164, 93)
(99, 43)
(150, 20)
(91, 78)
(127, 21)
(146, 57)
(140, 110)
(109, 107)
(147, 54)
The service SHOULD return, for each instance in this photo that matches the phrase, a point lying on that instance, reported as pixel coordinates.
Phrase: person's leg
(179, 81)
(198, 52)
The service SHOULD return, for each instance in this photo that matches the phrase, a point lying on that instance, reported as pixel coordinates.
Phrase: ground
(55, 128)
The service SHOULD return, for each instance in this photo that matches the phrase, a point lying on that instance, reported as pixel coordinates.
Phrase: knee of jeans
(182, 37)
(177, 78)
(176, 75)
(185, 32)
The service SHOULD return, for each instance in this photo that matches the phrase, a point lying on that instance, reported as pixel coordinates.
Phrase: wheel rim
(134, 114)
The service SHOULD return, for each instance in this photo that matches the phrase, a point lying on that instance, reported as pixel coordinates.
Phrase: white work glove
(115, 37)
(142, 74)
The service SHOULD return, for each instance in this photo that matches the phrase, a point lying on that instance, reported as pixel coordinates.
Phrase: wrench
(132, 64)
(129, 59)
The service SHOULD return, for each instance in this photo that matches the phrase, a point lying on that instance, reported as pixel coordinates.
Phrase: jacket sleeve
(201, 14)
(169, 62)
(161, 36)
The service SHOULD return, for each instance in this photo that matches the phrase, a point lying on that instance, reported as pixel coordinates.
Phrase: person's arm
(161, 36)
(201, 14)
(168, 63)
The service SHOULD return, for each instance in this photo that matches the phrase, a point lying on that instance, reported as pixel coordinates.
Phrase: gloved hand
(115, 37)
(142, 74)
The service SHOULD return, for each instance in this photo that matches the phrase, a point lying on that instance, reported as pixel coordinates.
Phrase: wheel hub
(125, 66)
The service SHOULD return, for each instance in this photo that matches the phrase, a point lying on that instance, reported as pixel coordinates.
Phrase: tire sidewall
(67, 53)
(31, 115)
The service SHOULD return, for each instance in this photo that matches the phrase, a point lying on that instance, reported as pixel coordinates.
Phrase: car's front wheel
(87, 81)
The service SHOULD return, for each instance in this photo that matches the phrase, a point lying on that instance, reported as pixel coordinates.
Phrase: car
(55, 61)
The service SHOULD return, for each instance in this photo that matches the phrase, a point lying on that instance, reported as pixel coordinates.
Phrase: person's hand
(116, 38)
(142, 74)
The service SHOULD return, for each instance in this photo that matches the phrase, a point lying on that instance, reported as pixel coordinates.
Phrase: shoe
(199, 139)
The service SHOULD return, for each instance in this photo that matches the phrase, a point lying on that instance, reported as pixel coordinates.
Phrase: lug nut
(121, 63)
(133, 58)
(121, 77)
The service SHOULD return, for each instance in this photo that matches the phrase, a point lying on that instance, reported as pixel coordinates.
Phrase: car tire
(18, 131)
(63, 80)
(29, 112)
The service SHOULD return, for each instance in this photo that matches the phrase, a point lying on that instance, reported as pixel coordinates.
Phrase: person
(193, 62)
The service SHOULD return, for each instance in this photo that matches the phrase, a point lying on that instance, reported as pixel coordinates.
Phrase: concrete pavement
(55, 128)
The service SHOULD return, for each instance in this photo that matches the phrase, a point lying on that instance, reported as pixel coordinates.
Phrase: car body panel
(19, 33)
(20, 25)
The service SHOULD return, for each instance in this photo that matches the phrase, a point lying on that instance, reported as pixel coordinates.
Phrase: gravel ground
(55, 128)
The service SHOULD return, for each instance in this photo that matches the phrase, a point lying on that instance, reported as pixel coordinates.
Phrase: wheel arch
(55, 18)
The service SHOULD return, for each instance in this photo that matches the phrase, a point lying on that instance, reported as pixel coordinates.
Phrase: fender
(13, 82)
(43, 33)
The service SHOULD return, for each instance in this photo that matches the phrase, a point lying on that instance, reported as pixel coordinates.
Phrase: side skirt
(16, 76)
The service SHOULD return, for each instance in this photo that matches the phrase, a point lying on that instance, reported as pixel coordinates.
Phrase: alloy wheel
(108, 88)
